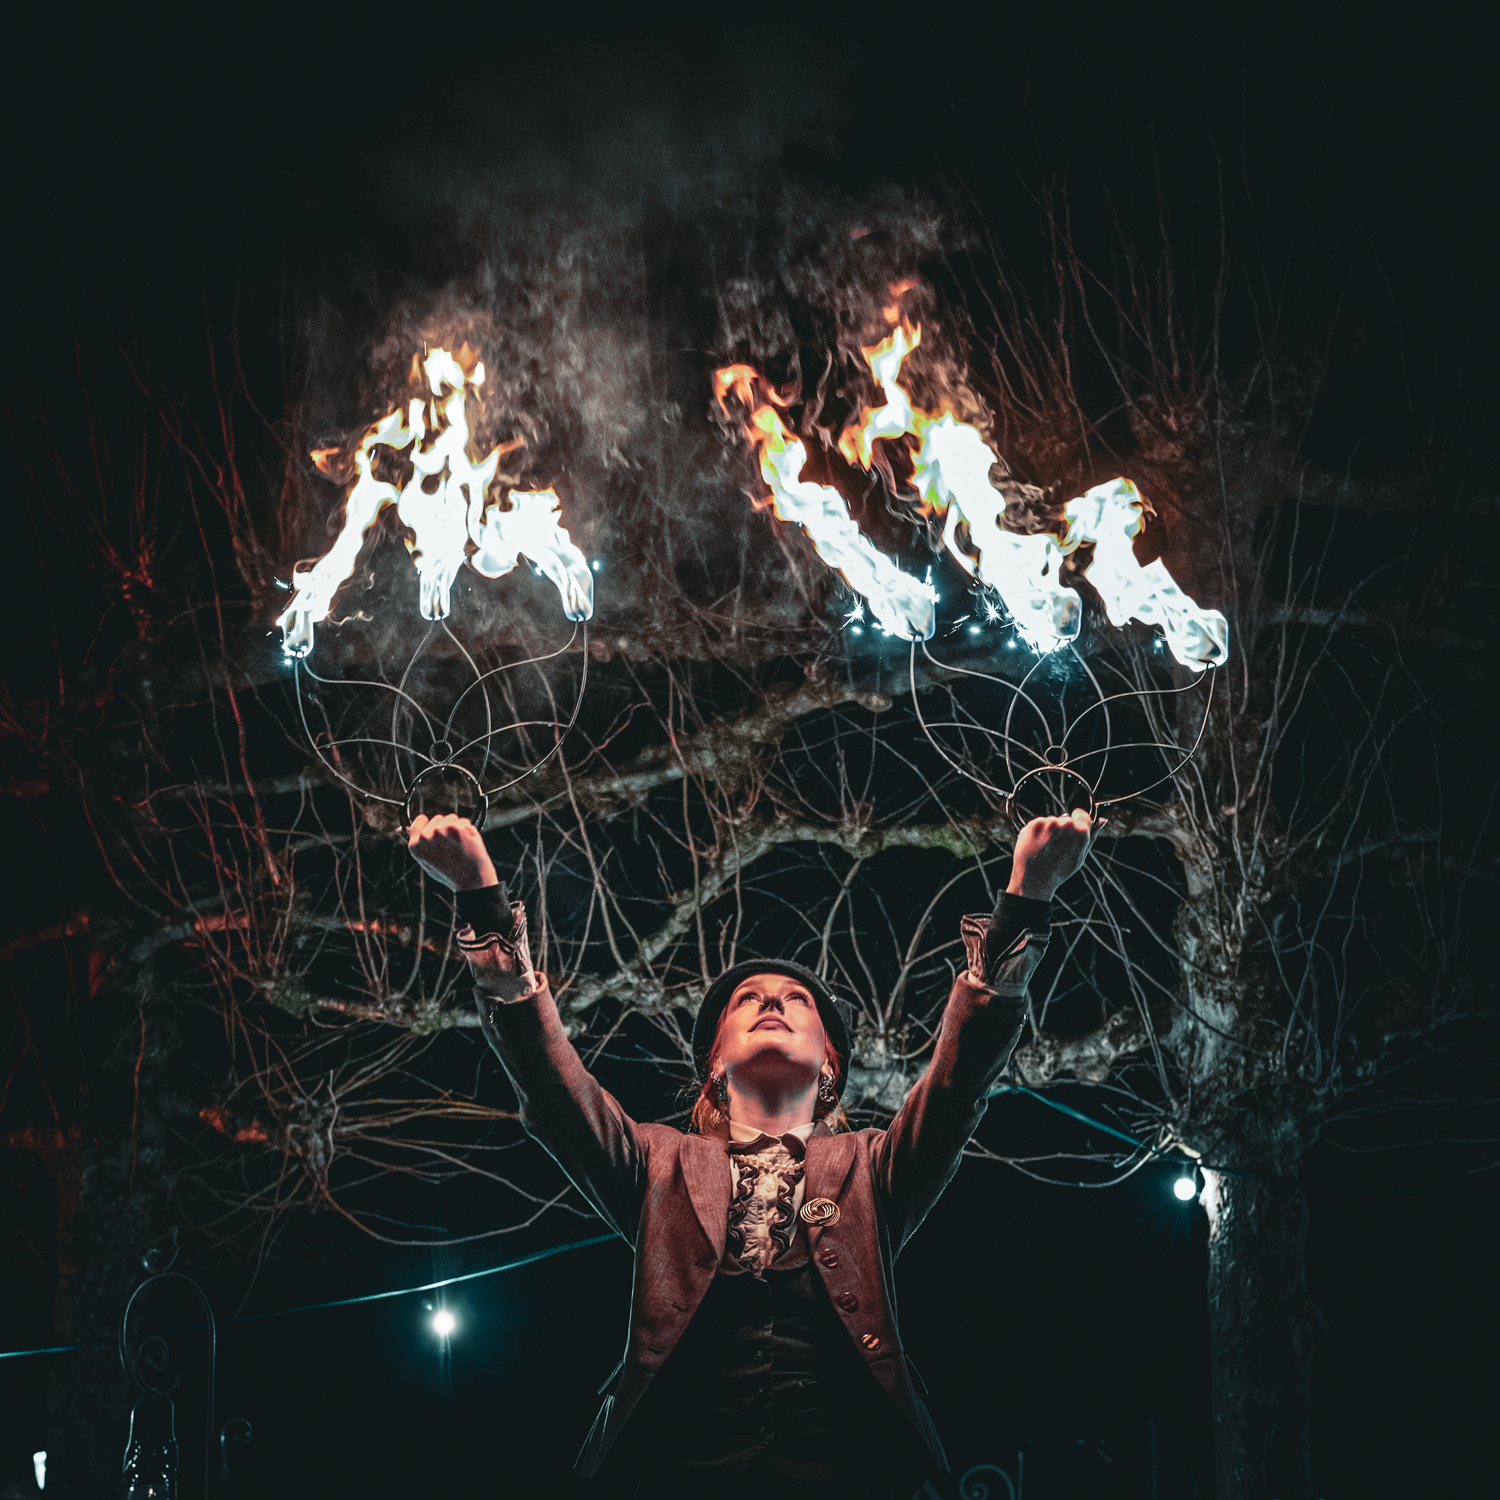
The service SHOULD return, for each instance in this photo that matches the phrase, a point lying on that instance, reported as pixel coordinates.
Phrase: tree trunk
(86, 1390)
(1264, 1329)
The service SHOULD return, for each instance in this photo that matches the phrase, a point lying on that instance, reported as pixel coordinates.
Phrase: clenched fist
(450, 849)
(1048, 850)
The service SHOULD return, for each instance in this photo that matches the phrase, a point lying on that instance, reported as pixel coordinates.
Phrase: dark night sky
(157, 169)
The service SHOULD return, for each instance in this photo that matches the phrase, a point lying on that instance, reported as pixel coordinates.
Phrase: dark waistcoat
(765, 1377)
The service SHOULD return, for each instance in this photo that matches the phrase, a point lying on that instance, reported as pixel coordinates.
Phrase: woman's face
(772, 1029)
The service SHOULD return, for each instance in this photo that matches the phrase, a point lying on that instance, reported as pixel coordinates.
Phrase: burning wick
(449, 518)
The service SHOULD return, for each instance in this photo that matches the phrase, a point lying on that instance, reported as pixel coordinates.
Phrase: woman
(763, 1353)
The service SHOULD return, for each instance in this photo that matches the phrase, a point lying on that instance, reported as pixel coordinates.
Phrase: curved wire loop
(971, 1487)
(1051, 753)
(482, 801)
(1014, 809)
(442, 755)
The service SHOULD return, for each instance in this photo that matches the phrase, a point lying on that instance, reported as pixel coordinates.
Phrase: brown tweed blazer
(667, 1193)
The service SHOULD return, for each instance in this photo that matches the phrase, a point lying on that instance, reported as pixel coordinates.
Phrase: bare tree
(718, 766)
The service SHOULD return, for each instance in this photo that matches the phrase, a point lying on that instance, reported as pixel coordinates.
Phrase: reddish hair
(708, 1119)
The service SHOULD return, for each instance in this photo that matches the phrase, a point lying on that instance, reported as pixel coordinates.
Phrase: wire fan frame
(386, 743)
(1060, 735)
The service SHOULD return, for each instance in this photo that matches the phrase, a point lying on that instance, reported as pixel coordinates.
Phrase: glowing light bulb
(39, 1465)
(1185, 1188)
(443, 1323)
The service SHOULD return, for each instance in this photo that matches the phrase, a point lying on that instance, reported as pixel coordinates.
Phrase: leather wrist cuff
(1036, 915)
(484, 998)
(493, 939)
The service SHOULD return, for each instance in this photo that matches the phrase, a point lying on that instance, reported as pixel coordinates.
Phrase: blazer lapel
(705, 1169)
(830, 1159)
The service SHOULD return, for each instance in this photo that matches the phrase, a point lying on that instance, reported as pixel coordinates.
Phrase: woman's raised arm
(580, 1124)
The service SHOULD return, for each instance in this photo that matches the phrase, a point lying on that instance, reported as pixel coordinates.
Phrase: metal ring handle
(480, 795)
(1043, 771)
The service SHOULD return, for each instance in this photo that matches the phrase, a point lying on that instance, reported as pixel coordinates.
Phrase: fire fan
(499, 726)
(1041, 724)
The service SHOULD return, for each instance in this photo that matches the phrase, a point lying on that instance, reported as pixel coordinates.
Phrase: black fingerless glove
(1015, 918)
(487, 911)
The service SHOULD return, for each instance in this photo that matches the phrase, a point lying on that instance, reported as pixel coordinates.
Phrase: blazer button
(848, 1301)
(829, 1258)
(871, 1341)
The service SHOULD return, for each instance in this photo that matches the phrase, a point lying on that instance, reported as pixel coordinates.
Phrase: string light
(1186, 1187)
(443, 1322)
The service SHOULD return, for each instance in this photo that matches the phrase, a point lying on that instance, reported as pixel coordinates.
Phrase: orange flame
(902, 605)
(895, 418)
(455, 521)
(951, 468)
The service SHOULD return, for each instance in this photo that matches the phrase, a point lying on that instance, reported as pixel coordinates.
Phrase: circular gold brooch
(822, 1211)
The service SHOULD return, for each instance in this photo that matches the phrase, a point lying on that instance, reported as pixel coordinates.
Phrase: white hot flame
(1109, 515)
(952, 474)
(951, 471)
(530, 528)
(447, 519)
(901, 605)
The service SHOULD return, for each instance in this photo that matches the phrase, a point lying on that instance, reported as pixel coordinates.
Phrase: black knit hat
(836, 1014)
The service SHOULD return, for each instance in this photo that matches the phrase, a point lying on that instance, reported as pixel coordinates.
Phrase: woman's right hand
(450, 849)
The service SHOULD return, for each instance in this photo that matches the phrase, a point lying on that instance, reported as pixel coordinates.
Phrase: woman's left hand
(1048, 851)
